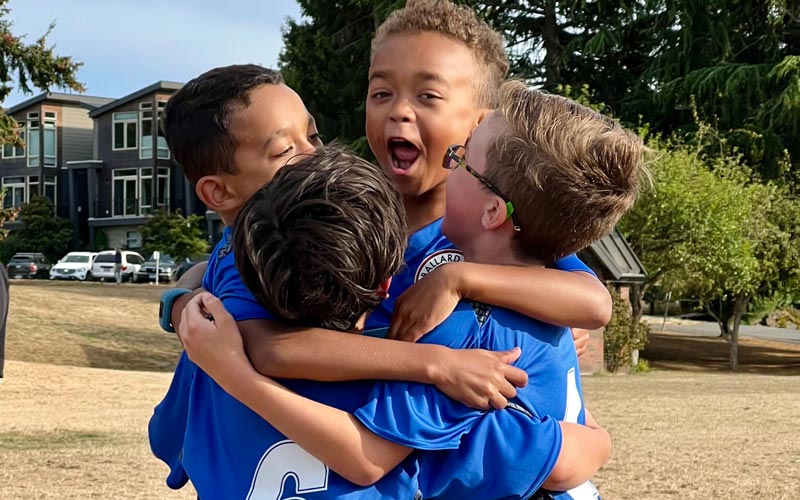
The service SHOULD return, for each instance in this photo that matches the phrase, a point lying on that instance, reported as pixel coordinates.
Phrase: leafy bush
(622, 335)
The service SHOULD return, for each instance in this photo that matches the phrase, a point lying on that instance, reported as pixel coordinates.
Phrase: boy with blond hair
(538, 161)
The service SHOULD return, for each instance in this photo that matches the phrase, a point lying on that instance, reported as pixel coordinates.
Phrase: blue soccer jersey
(428, 249)
(228, 451)
(495, 454)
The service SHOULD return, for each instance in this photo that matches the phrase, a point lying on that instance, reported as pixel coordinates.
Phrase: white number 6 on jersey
(284, 459)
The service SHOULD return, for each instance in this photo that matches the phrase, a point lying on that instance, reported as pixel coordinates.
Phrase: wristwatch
(165, 307)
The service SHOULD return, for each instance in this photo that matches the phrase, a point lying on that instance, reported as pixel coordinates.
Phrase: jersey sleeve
(235, 296)
(507, 455)
(167, 426)
(572, 263)
(419, 415)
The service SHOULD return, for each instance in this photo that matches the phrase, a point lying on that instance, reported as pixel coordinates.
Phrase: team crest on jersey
(437, 259)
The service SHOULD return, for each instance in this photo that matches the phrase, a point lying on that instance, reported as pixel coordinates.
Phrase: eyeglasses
(454, 158)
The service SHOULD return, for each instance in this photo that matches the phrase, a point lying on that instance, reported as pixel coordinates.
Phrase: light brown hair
(570, 172)
(460, 24)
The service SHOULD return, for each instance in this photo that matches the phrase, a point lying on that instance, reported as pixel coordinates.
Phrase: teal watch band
(165, 307)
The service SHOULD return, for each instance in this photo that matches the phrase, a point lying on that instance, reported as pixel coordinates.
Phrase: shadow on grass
(680, 352)
(130, 358)
(58, 438)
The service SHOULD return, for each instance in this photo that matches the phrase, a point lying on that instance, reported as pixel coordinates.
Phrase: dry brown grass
(88, 324)
(71, 432)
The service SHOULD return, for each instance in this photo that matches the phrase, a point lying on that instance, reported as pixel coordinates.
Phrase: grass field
(87, 363)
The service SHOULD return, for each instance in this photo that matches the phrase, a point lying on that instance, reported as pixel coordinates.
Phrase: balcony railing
(128, 207)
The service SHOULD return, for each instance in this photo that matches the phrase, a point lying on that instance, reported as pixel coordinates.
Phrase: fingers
(511, 355)
(498, 401)
(515, 376)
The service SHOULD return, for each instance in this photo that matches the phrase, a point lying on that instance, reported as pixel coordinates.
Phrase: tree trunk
(739, 307)
(637, 301)
(552, 47)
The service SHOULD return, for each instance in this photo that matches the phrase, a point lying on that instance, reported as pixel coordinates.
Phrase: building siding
(75, 142)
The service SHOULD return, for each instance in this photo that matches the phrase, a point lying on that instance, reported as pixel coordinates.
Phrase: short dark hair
(570, 172)
(314, 244)
(196, 118)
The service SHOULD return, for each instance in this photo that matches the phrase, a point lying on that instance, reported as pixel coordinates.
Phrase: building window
(15, 192)
(49, 143)
(125, 133)
(146, 175)
(126, 190)
(133, 191)
(162, 148)
(146, 130)
(12, 151)
(163, 187)
(33, 140)
(50, 191)
(21, 190)
(133, 239)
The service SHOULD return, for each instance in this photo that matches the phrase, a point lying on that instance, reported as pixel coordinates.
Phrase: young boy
(231, 129)
(540, 161)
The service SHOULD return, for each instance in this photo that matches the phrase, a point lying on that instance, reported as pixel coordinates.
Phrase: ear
(495, 214)
(212, 191)
(383, 288)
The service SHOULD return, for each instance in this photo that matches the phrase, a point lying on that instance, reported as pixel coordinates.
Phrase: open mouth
(403, 154)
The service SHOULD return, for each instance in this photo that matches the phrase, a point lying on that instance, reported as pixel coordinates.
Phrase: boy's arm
(478, 378)
(333, 436)
(584, 449)
(576, 299)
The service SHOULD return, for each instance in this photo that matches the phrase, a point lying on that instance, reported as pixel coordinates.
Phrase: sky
(126, 45)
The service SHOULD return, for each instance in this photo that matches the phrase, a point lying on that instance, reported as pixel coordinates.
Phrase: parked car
(73, 266)
(103, 266)
(28, 265)
(167, 269)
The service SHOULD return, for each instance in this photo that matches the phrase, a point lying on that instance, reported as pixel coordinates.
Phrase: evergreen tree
(32, 65)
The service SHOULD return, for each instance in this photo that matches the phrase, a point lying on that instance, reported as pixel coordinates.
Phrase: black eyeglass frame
(452, 160)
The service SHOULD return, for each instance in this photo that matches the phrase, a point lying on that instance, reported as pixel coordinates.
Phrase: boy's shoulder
(222, 279)
(428, 249)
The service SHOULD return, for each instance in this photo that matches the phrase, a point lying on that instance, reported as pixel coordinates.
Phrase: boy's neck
(492, 247)
(424, 209)
(228, 217)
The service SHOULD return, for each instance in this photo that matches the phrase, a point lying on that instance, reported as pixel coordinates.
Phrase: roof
(160, 85)
(86, 101)
(618, 259)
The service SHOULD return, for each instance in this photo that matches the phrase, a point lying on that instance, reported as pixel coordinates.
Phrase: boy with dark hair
(505, 454)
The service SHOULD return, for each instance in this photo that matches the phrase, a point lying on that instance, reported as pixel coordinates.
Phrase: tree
(739, 65)
(5, 215)
(707, 231)
(173, 234)
(326, 59)
(32, 65)
(43, 231)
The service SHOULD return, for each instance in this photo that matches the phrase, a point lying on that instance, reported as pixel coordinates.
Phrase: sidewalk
(708, 329)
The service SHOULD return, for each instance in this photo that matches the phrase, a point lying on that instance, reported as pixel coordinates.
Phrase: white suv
(103, 267)
(73, 266)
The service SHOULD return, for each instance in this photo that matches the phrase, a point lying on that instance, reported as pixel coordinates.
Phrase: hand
(425, 304)
(581, 339)
(193, 278)
(210, 336)
(480, 378)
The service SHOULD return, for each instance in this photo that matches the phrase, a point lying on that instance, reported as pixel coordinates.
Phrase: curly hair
(315, 244)
(458, 23)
